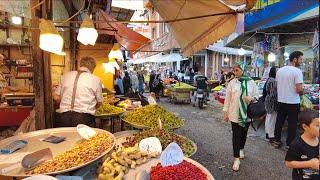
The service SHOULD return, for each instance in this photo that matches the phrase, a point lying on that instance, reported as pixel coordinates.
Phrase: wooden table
(112, 118)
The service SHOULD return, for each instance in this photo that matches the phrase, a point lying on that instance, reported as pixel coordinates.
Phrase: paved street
(213, 138)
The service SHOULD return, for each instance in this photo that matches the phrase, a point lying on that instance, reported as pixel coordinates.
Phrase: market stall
(97, 154)
(180, 92)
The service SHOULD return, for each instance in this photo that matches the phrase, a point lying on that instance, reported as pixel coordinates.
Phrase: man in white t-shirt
(289, 86)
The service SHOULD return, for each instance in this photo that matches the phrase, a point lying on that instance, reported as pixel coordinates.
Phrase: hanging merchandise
(315, 43)
(257, 55)
(275, 43)
(259, 61)
(271, 43)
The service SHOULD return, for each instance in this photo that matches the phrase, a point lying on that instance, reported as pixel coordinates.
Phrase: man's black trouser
(239, 137)
(290, 111)
(72, 119)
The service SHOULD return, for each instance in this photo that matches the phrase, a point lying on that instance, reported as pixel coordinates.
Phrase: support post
(37, 70)
(206, 63)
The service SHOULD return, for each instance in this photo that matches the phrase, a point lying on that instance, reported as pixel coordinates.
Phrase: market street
(213, 138)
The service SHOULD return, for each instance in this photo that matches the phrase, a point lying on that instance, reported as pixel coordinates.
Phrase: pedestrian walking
(119, 85)
(303, 153)
(126, 83)
(135, 82)
(271, 103)
(289, 88)
(157, 86)
(240, 92)
(152, 77)
(141, 82)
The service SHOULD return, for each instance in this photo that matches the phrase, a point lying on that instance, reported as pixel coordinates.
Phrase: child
(303, 154)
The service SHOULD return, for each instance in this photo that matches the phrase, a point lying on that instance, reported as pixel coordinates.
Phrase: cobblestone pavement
(213, 138)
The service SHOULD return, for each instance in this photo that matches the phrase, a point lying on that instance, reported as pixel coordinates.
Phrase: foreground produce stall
(102, 154)
(73, 152)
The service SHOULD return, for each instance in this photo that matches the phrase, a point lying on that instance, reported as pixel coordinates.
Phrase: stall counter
(13, 115)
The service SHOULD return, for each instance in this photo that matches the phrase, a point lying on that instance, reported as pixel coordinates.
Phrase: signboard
(277, 12)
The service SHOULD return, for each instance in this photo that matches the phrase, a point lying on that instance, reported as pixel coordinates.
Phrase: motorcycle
(201, 97)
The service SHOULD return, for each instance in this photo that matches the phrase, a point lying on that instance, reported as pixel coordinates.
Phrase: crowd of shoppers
(281, 95)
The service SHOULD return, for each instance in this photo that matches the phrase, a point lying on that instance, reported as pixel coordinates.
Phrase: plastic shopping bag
(305, 103)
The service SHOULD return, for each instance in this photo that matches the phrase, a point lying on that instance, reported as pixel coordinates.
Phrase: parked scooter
(201, 97)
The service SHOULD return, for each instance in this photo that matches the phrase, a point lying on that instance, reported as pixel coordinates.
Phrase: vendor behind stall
(79, 94)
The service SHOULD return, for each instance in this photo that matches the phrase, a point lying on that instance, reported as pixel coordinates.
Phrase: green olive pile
(149, 116)
(166, 137)
(106, 109)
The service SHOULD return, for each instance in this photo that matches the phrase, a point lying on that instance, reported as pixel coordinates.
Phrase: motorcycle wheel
(200, 103)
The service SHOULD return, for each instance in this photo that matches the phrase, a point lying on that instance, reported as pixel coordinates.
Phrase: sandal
(236, 164)
(241, 154)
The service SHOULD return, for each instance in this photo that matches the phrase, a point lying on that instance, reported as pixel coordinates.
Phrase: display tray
(153, 162)
(115, 100)
(122, 135)
(103, 116)
(35, 144)
(141, 126)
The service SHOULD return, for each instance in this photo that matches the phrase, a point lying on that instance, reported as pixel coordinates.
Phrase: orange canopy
(195, 34)
(128, 38)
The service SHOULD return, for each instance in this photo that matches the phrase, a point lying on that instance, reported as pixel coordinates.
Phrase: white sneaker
(236, 164)
(241, 154)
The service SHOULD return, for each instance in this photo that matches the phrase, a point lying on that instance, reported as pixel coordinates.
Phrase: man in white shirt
(79, 94)
(289, 86)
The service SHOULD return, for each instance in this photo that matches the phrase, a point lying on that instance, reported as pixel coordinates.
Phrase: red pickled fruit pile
(182, 171)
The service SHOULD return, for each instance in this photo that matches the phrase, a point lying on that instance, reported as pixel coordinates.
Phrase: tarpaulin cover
(196, 34)
(128, 38)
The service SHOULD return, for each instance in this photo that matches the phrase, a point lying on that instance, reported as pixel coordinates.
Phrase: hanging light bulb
(241, 51)
(271, 57)
(110, 67)
(16, 20)
(115, 52)
(50, 39)
(226, 59)
(286, 54)
(87, 33)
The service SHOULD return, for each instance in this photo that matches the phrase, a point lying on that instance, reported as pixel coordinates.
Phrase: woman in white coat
(240, 92)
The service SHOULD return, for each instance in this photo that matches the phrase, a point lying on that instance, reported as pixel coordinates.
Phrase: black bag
(256, 110)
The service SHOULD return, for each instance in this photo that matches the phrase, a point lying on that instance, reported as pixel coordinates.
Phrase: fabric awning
(196, 34)
(159, 58)
(128, 38)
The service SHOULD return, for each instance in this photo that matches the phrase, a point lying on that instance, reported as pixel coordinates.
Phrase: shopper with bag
(289, 87)
(271, 103)
(241, 91)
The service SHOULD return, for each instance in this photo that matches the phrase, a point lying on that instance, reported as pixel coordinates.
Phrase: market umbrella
(195, 34)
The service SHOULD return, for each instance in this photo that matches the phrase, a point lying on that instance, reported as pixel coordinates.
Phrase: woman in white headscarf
(240, 92)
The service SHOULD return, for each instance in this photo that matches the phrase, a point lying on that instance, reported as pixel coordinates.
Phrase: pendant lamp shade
(110, 67)
(87, 33)
(50, 39)
(115, 52)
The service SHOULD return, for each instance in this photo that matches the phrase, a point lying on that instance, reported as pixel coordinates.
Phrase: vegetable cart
(180, 94)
